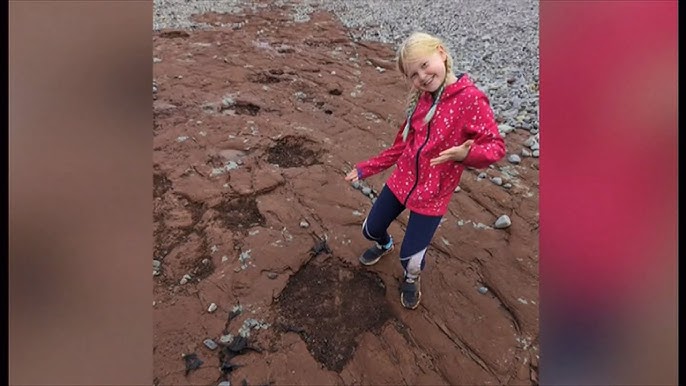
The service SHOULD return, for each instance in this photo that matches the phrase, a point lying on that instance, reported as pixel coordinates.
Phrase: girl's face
(426, 73)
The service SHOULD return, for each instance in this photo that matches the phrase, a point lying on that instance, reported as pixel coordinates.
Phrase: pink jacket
(462, 113)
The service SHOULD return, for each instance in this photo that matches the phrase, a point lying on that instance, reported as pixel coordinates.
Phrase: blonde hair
(417, 45)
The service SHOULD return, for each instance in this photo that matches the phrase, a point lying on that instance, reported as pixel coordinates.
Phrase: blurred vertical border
(80, 192)
(608, 117)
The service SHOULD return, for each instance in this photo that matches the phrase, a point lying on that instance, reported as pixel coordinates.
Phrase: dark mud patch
(263, 78)
(330, 304)
(292, 151)
(161, 185)
(240, 213)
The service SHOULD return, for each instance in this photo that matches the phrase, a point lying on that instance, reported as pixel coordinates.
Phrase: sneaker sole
(368, 263)
(419, 298)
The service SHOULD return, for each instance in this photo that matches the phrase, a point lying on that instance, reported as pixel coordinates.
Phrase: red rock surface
(255, 125)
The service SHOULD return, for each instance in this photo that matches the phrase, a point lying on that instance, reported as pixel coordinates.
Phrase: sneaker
(373, 254)
(410, 293)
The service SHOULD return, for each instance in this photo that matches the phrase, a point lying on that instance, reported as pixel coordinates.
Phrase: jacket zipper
(416, 181)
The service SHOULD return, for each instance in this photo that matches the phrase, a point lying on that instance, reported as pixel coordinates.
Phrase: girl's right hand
(352, 176)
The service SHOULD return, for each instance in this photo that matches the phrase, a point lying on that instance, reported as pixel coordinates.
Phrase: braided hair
(417, 44)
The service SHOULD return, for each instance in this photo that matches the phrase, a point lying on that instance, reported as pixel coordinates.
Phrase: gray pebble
(514, 158)
(482, 290)
(526, 153)
(505, 128)
(457, 189)
(497, 180)
(507, 185)
(366, 191)
(209, 343)
(156, 264)
(535, 146)
(530, 141)
(356, 184)
(503, 222)
(533, 131)
(224, 383)
(226, 339)
(304, 224)
(212, 308)
(536, 153)
(482, 175)
(272, 275)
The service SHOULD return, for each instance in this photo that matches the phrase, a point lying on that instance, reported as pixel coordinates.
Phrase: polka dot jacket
(463, 112)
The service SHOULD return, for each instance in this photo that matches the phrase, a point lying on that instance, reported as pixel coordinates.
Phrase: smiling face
(427, 72)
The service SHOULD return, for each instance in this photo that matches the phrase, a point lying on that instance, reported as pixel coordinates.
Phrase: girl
(449, 126)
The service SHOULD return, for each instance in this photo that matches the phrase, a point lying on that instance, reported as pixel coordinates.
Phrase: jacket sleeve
(488, 146)
(386, 158)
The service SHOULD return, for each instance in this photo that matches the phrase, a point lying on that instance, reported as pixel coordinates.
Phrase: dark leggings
(420, 229)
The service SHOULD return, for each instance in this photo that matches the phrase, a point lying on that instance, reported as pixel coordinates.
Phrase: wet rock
(192, 362)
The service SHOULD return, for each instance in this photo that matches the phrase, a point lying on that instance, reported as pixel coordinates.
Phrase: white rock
(212, 308)
(503, 222)
(514, 158)
(505, 128)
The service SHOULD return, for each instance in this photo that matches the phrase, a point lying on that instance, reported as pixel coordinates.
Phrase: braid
(411, 106)
(416, 45)
(432, 110)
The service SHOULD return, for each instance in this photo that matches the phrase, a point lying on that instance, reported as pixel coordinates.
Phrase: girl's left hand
(455, 153)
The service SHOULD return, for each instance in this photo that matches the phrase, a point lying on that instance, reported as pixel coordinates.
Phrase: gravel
(495, 42)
